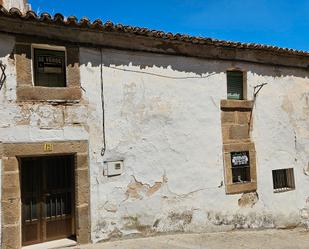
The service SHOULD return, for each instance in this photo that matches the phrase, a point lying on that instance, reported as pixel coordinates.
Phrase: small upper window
(49, 68)
(240, 166)
(235, 84)
(283, 180)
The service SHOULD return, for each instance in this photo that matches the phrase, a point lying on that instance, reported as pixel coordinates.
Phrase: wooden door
(47, 188)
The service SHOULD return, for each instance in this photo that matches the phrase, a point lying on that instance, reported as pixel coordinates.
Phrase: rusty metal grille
(283, 180)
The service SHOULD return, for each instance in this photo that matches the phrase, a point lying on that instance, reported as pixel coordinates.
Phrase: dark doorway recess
(47, 193)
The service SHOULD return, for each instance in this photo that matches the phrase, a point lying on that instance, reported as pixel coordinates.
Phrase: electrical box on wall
(113, 168)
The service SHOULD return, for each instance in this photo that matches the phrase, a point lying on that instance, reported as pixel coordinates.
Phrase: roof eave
(129, 41)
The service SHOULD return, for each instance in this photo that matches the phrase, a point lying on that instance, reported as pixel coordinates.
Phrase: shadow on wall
(200, 67)
(142, 60)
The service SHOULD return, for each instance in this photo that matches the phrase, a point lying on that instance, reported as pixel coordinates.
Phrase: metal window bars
(283, 180)
(3, 75)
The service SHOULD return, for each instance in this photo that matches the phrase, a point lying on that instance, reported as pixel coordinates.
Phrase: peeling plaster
(306, 170)
(138, 190)
(304, 214)
(168, 133)
(248, 199)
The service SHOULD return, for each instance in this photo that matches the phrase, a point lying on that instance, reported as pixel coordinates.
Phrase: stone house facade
(109, 131)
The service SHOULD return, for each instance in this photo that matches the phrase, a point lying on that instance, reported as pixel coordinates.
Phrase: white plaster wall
(162, 118)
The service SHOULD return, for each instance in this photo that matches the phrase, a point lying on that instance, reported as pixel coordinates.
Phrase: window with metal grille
(240, 166)
(283, 180)
(49, 68)
(235, 85)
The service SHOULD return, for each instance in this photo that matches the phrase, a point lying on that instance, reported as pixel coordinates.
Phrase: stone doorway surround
(11, 196)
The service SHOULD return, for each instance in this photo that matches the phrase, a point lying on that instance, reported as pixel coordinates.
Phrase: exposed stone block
(11, 180)
(239, 132)
(83, 224)
(10, 164)
(227, 117)
(240, 146)
(243, 117)
(82, 160)
(11, 238)
(10, 192)
(73, 73)
(225, 133)
(25, 149)
(82, 187)
(82, 178)
(240, 188)
(248, 199)
(53, 94)
(236, 104)
(11, 208)
(23, 64)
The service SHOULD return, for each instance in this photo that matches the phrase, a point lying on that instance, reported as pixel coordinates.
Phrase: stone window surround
(245, 94)
(11, 196)
(237, 143)
(47, 47)
(234, 188)
(26, 91)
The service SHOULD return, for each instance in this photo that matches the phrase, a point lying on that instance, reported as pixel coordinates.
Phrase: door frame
(41, 222)
(11, 190)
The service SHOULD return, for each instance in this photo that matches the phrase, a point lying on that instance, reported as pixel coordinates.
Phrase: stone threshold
(52, 244)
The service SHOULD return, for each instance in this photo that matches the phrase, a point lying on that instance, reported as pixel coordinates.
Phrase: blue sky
(283, 23)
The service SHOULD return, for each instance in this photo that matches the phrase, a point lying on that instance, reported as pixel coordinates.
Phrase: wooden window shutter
(235, 85)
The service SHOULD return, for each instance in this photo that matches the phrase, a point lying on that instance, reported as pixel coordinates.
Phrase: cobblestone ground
(263, 239)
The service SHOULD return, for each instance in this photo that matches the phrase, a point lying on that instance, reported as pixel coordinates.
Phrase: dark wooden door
(47, 185)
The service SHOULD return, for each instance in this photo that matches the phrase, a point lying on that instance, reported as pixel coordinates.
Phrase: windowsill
(237, 188)
(282, 190)
(236, 104)
(50, 94)
(244, 182)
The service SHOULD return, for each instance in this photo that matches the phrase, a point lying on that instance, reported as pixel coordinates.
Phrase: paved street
(266, 239)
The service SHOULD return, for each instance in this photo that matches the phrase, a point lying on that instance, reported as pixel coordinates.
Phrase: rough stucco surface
(163, 120)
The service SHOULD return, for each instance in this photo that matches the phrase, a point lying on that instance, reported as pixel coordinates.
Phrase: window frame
(289, 173)
(26, 90)
(239, 187)
(242, 166)
(244, 83)
(52, 48)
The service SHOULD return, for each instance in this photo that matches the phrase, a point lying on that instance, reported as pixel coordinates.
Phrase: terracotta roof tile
(108, 26)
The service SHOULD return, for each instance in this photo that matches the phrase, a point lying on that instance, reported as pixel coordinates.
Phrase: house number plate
(48, 147)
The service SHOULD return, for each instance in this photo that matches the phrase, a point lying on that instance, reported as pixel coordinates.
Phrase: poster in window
(50, 64)
(240, 158)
